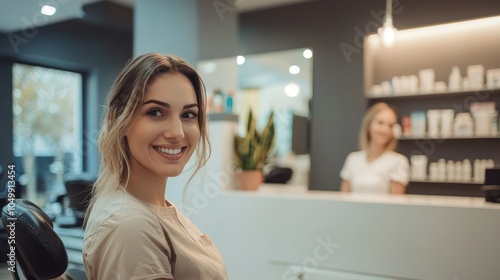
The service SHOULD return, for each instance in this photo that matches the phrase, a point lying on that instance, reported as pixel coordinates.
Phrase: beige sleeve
(128, 246)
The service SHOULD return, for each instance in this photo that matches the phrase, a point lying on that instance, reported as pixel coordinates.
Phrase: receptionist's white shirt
(376, 176)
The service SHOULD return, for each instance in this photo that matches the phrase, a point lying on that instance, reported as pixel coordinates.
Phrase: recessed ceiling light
(240, 59)
(307, 53)
(48, 10)
(292, 89)
(294, 69)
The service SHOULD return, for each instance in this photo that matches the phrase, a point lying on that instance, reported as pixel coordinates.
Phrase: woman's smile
(171, 154)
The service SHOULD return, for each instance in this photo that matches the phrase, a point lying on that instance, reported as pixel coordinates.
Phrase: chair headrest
(39, 250)
(80, 178)
(279, 175)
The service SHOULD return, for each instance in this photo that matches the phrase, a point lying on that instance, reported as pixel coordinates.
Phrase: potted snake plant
(252, 151)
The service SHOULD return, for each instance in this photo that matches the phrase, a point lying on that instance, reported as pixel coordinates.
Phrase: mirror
(276, 81)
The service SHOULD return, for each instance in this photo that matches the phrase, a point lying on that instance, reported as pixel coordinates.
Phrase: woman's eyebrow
(156, 102)
(190, 106)
(166, 105)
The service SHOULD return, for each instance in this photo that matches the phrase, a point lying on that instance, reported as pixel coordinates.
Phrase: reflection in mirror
(277, 81)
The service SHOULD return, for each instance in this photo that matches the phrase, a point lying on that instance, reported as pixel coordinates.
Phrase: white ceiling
(25, 14)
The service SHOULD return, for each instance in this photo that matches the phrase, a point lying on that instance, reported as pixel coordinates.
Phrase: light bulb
(48, 10)
(388, 34)
(294, 69)
(307, 53)
(240, 59)
(292, 89)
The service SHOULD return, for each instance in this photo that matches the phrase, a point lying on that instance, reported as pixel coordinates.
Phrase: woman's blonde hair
(123, 100)
(364, 133)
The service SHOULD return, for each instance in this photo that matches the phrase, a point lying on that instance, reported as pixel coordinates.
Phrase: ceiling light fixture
(240, 59)
(48, 10)
(294, 69)
(292, 89)
(387, 32)
(307, 53)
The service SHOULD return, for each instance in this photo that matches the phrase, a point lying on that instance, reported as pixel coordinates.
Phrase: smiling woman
(155, 121)
(376, 168)
(163, 135)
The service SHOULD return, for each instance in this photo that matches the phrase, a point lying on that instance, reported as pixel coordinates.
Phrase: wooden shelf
(432, 95)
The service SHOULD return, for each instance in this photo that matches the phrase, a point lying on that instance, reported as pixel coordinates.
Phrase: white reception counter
(283, 232)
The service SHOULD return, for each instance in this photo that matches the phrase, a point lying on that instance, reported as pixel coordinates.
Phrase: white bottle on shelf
(455, 80)
(418, 167)
(447, 116)
(494, 123)
(458, 171)
(467, 171)
(477, 170)
(450, 171)
(463, 125)
(441, 170)
(484, 163)
(475, 74)
(433, 172)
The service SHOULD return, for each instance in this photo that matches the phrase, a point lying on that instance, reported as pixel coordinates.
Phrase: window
(47, 128)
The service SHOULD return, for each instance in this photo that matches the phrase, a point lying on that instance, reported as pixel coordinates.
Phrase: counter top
(301, 192)
(280, 230)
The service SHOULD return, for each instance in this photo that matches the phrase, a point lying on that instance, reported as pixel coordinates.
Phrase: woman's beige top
(126, 238)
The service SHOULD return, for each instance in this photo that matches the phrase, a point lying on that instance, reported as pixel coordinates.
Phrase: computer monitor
(492, 176)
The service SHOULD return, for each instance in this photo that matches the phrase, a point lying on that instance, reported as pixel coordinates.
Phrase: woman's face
(165, 130)
(381, 129)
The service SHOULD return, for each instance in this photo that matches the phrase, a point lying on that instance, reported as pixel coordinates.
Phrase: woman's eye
(155, 113)
(190, 115)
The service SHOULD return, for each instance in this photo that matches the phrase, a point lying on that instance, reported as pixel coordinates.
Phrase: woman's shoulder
(396, 156)
(118, 210)
(356, 155)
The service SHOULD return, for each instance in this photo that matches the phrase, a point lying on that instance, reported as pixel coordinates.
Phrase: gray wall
(194, 30)
(166, 27)
(338, 92)
(217, 31)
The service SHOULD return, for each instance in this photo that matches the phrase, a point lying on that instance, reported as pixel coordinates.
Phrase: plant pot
(250, 180)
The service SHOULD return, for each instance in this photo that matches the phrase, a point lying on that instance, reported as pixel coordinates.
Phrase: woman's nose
(174, 129)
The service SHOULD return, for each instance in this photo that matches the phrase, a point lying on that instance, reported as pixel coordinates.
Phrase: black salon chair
(78, 192)
(278, 175)
(40, 253)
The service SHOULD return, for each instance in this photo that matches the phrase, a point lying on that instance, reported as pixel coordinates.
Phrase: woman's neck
(374, 151)
(150, 189)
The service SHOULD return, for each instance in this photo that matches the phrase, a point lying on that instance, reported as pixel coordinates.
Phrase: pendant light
(387, 32)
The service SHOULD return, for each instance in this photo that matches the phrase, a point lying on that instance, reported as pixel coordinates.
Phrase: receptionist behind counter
(376, 168)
